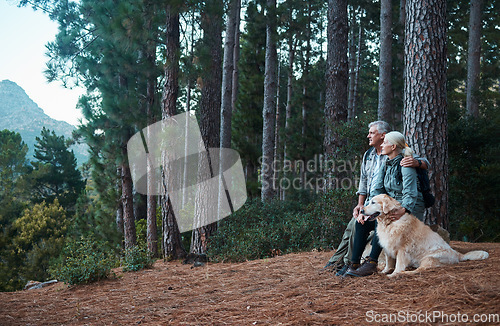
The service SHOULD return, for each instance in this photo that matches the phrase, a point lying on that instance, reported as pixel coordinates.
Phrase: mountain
(19, 113)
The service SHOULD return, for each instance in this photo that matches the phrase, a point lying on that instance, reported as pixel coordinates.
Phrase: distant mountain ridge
(19, 113)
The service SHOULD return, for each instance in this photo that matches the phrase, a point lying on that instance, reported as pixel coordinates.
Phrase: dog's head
(379, 205)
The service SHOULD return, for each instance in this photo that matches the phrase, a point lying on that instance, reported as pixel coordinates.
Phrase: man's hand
(409, 162)
(361, 218)
(356, 210)
(396, 214)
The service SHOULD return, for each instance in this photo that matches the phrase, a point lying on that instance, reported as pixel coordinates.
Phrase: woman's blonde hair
(397, 138)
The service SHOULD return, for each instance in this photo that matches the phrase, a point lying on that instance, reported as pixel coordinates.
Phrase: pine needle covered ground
(285, 290)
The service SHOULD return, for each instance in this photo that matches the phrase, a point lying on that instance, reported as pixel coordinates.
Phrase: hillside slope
(285, 290)
(19, 113)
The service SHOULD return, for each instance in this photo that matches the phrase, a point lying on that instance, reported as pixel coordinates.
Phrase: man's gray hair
(382, 126)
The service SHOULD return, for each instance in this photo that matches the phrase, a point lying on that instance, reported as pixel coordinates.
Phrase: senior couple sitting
(388, 167)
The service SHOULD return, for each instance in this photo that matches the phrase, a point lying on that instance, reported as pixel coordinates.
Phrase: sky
(23, 36)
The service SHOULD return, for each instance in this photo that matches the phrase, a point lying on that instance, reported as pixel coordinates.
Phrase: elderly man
(372, 161)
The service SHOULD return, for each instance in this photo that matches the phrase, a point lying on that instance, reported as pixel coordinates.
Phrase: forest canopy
(278, 81)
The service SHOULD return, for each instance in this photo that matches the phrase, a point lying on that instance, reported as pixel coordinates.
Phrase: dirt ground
(285, 290)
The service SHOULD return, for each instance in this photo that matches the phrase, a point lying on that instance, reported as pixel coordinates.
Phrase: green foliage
(39, 236)
(84, 261)
(259, 229)
(55, 173)
(93, 218)
(137, 258)
(474, 179)
(13, 165)
(42, 221)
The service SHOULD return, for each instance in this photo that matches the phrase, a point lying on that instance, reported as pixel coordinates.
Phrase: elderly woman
(399, 183)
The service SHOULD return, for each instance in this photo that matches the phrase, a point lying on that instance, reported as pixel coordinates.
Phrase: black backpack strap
(423, 180)
(368, 153)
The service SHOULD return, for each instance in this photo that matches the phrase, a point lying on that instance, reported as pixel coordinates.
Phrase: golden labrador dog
(409, 242)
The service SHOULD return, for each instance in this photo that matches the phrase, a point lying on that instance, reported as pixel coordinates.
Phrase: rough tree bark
(473, 59)
(127, 201)
(210, 105)
(236, 57)
(288, 111)
(398, 95)
(358, 66)
(425, 105)
(119, 209)
(150, 51)
(227, 76)
(337, 77)
(305, 102)
(126, 178)
(385, 62)
(172, 243)
(352, 67)
(277, 141)
(268, 114)
(152, 234)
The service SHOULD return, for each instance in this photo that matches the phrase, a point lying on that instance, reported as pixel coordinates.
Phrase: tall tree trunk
(289, 93)
(277, 148)
(473, 59)
(305, 100)
(352, 69)
(398, 95)
(152, 228)
(385, 65)
(268, 114)
(337, 77)
(226, 98)
(358, 66)
(211, 23)
(227, 76)
(425, 105)
(189, 86)
(128, 204)
(172, 243)
(236, 57)
(126, 178)
(119, 209)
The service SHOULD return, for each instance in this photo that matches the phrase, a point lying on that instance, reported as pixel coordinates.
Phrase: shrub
(39, 236)
(84, 261)
(474, 180)
(259, 230)
(136, 258)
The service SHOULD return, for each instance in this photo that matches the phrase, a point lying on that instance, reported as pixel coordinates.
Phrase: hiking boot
(341, 271)
(329, 265)
(369, 267)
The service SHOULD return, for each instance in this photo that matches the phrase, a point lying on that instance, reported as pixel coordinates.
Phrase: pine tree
(210, 106)
(13, 166)
(337, 75)
(473, 58)
(425, 111)
(55, 173)
(268, 111)
(385, 63)
(172, 244)
(13, 200)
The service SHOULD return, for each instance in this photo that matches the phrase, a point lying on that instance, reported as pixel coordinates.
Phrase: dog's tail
(474, 255)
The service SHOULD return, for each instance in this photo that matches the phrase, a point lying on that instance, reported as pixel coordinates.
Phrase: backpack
(424, 185)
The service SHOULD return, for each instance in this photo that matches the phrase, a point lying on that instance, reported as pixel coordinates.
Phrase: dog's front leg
(401, 263)
(389, 264)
